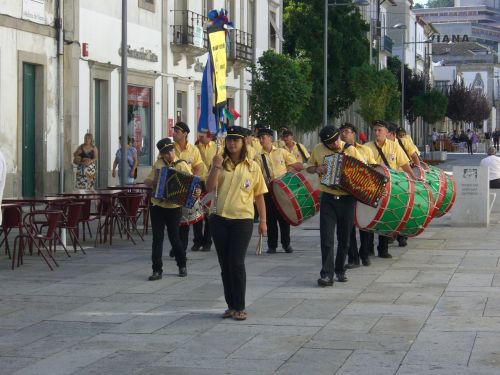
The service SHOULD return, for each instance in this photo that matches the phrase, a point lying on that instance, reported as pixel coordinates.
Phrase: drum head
(192, 215)
(291, 211)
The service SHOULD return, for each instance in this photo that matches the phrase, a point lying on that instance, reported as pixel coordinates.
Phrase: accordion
(355, 177)
(176, 187)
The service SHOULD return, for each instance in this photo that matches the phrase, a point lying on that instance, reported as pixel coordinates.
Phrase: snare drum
(192, 215)
(393, 211)
(294, 197)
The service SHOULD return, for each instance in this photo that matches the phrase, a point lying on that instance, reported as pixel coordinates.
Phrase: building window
(272, 30)
(139, 121)
(147, 4)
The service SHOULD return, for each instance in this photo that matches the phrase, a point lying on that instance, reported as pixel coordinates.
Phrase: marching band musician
(296, 149)
(348, 135)
(408, 146)
(274, 163)
(239, 182)
(336, 207)
(248, 142)
(390, 154)
(190, 153)
(255, 138)
(165, 213)
(208, 149)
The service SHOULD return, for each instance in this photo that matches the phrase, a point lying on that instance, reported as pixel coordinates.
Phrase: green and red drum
(294, 197)
(393, 211)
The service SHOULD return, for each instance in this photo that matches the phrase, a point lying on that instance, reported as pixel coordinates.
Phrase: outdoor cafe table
(108, 201)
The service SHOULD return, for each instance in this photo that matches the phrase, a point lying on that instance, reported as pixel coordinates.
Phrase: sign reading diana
(34, 10)
(140, 54)
(438, 38)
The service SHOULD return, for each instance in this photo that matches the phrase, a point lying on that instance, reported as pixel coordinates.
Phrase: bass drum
(436, 179)
(422, 210)
(449, 198)
(294, 197)
(192, 215)
(393, 211)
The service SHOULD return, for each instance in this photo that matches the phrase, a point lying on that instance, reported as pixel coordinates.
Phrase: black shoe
(271, 251)
(196, 247)
(350, 266)
(183, 272)
(341, 277)
(385, 256)
(155, 276)
(288, 249)
(325, 281)
(206, 248)
(402, 242)
(171, 254)
(366, 262)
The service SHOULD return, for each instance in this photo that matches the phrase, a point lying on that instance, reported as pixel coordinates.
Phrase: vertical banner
(217, 42)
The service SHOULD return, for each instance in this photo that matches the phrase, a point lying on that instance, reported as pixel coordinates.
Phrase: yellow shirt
(256, 145)
(318, 158)
(295, 151)
(190, 154)
(237, 186)
(207, 153)
(278, 161)
(251, 152)
(366, 153)
(409, 146)
(394, 154)
(279, 143)
(153, 176)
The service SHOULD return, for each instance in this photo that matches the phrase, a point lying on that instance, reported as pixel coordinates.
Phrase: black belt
(334, 196)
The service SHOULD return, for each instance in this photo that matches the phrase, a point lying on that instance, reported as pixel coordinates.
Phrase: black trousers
(231, 238)
(383, 245)
(469, 147)
(364, 249)
(495, 143)
(339, 214)
(200, 237)
(273, 219)
(169, 217)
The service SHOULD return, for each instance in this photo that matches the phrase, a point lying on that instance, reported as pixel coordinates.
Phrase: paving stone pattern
(432, 309)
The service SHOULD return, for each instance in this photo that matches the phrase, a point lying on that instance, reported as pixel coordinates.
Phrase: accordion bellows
(176, 187)
(355, 177)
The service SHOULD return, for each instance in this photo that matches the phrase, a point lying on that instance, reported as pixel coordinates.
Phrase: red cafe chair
(12, 219)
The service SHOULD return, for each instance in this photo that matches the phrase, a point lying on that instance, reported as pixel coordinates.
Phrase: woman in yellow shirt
(166, 214)
(239, 181)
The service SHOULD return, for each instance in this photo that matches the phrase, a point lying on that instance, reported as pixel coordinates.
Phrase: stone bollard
(472, 204)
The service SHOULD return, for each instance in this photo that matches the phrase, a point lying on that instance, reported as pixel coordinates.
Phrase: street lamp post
(403, 80)
(360, 3)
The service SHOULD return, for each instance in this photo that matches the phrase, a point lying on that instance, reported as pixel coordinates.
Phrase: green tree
(348, 47)
(431, 106)
(281, 88)
(377, 92)
(440, 3)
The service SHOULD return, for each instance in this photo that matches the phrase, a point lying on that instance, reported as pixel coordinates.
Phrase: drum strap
(403, 147)
(266, 167)
(382, 155)
(299, 147)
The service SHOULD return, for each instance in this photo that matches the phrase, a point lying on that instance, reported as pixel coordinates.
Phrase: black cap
(401, 130)
(182, 126)
(236, 132)
(259, 126)
(164, 145)
(329, 134)
(247, 132)
(266, 131)
(392, 128)
(286, 133)
(379, 123)
(347, 125)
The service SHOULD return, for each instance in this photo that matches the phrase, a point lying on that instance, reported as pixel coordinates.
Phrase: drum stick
(258, 251)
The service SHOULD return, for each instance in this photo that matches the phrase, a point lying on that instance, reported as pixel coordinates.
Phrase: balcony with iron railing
(239, 43)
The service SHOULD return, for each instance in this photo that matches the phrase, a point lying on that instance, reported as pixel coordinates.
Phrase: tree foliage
(431, 106)
(415, 84)
(440, 3)
(466, 104)
(281, 88)
(377, 93)
(347, 47)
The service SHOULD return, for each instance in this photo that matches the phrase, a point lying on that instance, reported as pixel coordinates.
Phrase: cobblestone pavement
(432, 309)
